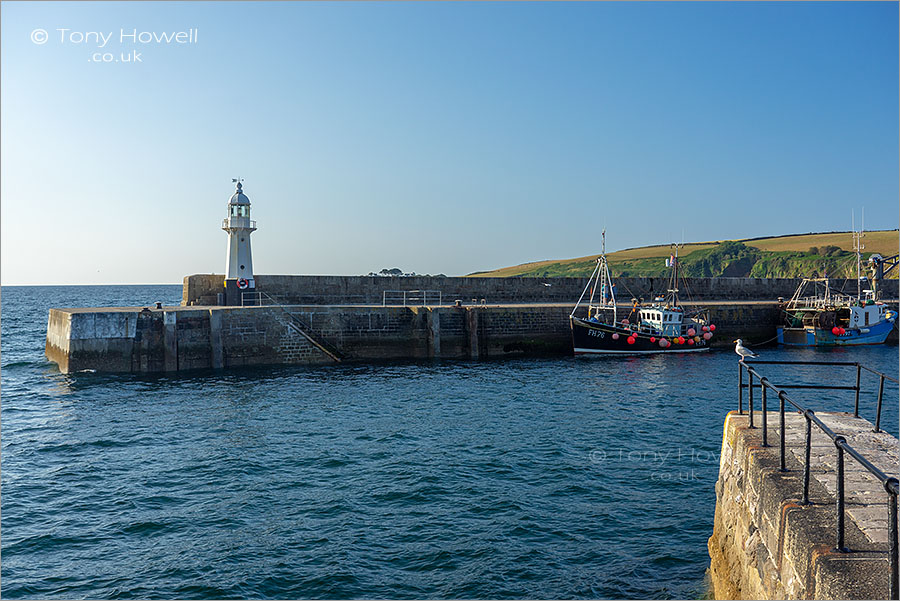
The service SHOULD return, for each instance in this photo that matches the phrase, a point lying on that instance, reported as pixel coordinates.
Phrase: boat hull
(811, 336)
(596, 338)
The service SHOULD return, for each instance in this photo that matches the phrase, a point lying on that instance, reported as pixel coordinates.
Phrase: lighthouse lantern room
(239, 266)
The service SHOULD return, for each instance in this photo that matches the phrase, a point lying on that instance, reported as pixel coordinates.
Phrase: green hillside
(803, 255)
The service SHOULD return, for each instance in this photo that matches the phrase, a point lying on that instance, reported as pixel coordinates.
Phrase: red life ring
(243, 284)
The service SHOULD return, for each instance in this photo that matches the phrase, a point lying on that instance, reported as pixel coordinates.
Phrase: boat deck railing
(820, 302)
(890, 483)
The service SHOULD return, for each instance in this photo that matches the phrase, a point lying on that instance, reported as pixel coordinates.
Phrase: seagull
(743, 351)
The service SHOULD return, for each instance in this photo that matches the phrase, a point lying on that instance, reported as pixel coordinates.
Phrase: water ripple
(546, 478)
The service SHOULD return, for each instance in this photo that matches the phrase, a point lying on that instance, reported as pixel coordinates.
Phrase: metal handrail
(856, 388)
(411, 297)
(250, 223)
(890, 483)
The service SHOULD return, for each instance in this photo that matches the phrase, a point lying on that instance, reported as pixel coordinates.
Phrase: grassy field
(884, 242)
(779, 255)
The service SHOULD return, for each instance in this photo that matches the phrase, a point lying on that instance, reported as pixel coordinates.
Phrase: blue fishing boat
(818, 315)
(829, 318)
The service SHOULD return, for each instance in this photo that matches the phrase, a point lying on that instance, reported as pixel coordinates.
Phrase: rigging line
(688, 292)
(627, 289)
(762, 343)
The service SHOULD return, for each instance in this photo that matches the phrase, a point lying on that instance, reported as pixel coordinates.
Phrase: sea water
(517, 478)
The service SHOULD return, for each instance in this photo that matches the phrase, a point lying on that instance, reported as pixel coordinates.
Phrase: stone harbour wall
(366, 290)
(767, 545)
(182, 338)
(198, 337)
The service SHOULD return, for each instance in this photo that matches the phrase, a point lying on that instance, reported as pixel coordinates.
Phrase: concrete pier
(323, 319)
(134, 339)
(767, 545)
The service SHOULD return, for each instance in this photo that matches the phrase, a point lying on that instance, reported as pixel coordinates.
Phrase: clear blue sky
(436, 137)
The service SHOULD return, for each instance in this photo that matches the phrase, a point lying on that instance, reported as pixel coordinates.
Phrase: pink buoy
(705, 328)
(691, 331)
(615, 336)
(663, 343)
(625, 321)
(690, 341)
(707, 336)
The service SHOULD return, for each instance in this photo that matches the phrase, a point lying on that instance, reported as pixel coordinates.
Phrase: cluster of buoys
(693, 336)
(837, 331)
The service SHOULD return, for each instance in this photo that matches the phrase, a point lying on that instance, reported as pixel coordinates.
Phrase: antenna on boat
(858, 247)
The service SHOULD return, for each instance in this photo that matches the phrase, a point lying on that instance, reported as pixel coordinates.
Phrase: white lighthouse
(239, 265)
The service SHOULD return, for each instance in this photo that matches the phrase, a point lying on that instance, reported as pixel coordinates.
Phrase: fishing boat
(662, 326)
(818, 315)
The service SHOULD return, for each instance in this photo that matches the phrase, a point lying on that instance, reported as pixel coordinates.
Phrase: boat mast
(607, 278)
(600, 278)
(602, 261)
(857, 248)
(673, 281)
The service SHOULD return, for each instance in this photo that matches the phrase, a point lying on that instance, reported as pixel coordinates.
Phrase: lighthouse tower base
(236, 289)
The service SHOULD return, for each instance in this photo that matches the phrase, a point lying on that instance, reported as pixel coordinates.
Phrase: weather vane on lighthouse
(239, 264)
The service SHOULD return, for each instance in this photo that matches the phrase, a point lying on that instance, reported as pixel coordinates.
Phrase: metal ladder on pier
(296, 324)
